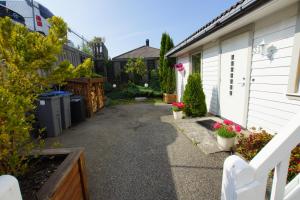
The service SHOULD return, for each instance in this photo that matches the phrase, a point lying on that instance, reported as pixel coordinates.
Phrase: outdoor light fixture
(260, 48)
(114, 85)
(146, 85)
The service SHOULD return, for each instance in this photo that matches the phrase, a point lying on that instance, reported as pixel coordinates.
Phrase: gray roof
(235, 12)
(143, 51)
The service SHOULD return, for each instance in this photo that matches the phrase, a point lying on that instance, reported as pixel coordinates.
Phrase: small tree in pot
(194, 98)
(166, 70)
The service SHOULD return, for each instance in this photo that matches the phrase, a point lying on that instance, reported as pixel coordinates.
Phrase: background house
(248, 58)
(149, 54)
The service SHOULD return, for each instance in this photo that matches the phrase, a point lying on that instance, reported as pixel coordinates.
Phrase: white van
(6, 12)
(35, 14)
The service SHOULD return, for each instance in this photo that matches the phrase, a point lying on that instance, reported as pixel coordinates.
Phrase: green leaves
(27, 61)
(166, 69)
(137, 67)
(194, 97)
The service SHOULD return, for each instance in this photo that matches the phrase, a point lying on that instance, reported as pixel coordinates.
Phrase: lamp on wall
(260, 48)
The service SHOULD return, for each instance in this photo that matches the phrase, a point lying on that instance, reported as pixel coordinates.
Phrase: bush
(24, 54)
(154, 80)
(250, 146)
(107, 87)
(194, 98)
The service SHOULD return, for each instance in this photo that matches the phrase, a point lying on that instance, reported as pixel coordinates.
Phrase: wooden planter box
(169, 98)
(69, 181)
(92, 89)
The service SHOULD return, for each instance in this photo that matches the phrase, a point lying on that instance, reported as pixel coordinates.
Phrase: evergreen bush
(194, 98)
(166, 70)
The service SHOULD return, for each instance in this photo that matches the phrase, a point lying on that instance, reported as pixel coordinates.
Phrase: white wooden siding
(210, 68)
(269, 108)
(182, 76)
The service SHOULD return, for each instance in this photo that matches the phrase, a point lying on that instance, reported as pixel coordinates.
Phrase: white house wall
(182, 76)
(210, 74)
(269, 107)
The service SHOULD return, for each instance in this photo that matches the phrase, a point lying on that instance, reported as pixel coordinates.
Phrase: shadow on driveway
(132, 155)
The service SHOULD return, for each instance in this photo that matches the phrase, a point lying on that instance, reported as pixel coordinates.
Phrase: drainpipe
(33, 15)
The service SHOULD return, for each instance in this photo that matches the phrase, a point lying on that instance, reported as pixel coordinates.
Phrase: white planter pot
(225, 143)
(178, 115)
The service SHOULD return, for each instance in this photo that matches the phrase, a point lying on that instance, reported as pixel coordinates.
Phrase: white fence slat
(279, 180)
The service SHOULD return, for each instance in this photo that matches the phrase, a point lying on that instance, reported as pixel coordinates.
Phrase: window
(231, 75)
(45, 13)
(196, 63)
(294, 77)
(5, 12)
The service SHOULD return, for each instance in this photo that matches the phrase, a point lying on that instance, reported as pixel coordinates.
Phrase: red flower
(230, 128)
(228, 122)
(238, 128)
(217, 125)
(179, 105)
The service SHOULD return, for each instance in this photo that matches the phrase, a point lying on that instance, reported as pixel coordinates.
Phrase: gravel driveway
(132, 155)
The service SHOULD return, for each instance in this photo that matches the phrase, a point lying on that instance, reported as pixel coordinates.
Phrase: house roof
(235, 12)
(143, 51)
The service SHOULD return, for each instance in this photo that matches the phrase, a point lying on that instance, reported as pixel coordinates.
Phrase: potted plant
(178, 110)
(167, 71)
(226, 133)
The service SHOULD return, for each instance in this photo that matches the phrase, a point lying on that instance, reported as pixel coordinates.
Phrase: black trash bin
(65, 107)
(78, 112)
(49, 114)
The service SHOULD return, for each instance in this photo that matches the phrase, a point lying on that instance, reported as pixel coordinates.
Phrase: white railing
(9, 188)
(248, 181)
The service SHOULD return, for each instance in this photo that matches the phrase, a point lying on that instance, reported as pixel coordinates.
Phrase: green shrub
(107, 87)
(24, 54)
(194, 98)
(154, 80)
(166, 70)
(250, 146)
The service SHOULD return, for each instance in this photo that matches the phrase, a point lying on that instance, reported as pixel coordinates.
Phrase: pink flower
(217, 125)
(228, 122)
(230, 128)
(179, 67)
(238, 128)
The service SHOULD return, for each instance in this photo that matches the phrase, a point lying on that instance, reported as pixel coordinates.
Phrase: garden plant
(27, 69)
(138, 68)
(194, 98)
(166, 70)
(249, 146)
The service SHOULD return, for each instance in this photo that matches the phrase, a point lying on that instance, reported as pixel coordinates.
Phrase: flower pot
(170, 98)
(225, 143)
(69, 180)
(178, 115)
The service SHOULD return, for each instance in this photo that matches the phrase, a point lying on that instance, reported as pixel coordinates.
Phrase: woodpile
(92, 89)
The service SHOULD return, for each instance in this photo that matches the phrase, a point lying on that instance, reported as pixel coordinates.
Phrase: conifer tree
(194, 97)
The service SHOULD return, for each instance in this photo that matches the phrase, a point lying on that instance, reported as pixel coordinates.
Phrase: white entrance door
(234, 61)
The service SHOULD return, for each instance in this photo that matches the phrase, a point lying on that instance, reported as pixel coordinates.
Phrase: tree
(194, 98)
(167, 71)
(162, 56)
(27, 69)
(137, 67)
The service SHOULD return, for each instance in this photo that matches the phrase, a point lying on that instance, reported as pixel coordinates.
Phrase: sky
(126, 24)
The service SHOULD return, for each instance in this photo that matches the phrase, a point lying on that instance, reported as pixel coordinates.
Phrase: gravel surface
(132, 154)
